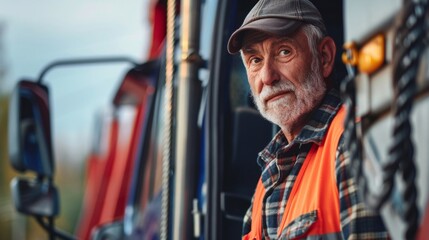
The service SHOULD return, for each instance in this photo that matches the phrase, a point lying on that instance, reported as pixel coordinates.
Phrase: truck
(186, 168)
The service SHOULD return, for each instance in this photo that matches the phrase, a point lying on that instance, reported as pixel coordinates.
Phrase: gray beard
(308, 97)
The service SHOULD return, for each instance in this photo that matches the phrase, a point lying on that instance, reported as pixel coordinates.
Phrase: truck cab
(187, 169)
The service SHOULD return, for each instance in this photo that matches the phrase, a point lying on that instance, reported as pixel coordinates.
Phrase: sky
(36, 33)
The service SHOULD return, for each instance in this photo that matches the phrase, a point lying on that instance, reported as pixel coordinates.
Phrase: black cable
(410, 42)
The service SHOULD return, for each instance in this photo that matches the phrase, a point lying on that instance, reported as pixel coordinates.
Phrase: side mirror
(34, 197)
(135, 85)
(30, 145)
(30, 149)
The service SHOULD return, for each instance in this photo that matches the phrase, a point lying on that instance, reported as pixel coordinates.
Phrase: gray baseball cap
(278, 18)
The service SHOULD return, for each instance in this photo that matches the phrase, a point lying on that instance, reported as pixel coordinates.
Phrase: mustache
(269, 92)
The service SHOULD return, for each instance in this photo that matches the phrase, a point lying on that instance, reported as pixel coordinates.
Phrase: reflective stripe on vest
(313, 209)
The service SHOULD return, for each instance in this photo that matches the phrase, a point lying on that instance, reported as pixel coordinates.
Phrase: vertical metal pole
(187, 131)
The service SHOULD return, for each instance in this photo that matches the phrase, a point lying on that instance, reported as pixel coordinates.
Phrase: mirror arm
(49, 227)
(83, 61)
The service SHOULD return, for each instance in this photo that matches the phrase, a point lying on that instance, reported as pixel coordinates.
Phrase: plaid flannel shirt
(281, 161)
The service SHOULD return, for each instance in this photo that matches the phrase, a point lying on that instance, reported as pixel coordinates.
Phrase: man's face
(284, 76)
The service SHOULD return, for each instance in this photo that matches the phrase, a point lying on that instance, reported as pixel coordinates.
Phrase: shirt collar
(313, 131)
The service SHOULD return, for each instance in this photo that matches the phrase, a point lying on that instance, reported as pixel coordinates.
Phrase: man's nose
(269, 73)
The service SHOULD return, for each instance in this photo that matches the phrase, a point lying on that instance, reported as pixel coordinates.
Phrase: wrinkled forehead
(254, 37)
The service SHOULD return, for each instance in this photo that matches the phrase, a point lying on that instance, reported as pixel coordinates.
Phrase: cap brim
(270, 26)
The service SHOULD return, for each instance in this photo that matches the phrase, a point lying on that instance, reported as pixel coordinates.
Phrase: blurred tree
(6, 173)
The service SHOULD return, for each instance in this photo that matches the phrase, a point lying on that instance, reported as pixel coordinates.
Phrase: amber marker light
(371, 55)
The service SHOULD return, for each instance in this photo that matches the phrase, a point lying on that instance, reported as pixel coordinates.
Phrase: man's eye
(254, 60)
(284, 52)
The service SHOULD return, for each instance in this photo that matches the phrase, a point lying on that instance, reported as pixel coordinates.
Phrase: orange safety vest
(313, 208)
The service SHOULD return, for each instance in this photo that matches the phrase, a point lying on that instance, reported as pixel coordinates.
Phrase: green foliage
(7, 213)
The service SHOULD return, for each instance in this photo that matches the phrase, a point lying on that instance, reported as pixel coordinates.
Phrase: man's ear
(327, 50)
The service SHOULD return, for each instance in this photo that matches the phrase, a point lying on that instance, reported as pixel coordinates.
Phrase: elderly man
(306, 189)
